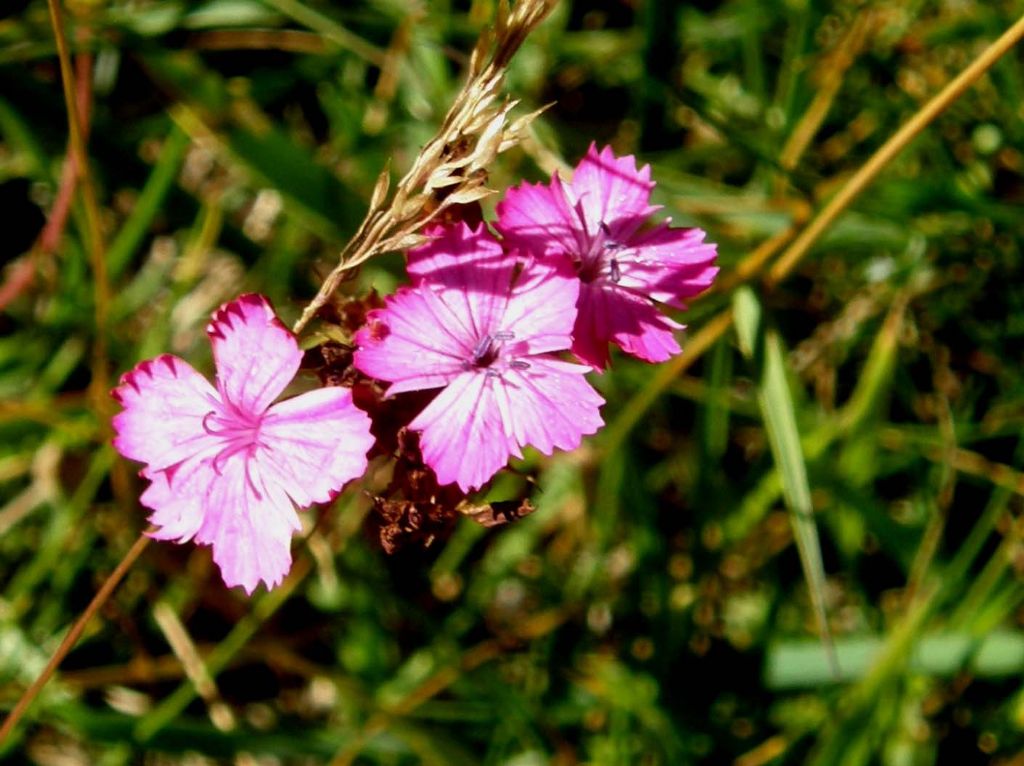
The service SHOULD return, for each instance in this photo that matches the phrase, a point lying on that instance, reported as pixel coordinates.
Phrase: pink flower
(482, 326)
(598, 220)
(227, 467)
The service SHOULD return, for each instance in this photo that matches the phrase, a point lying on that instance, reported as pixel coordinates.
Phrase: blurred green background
(654, 609)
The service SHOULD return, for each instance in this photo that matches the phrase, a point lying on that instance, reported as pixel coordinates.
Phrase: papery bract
(484, 327)
(599, 220)
(227, 467)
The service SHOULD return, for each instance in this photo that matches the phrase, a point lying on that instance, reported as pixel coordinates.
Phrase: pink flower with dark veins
(599, 220)
(227, 467)
(485, 327)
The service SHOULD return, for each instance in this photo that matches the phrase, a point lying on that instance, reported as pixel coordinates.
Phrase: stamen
(235, 438)
(250, 482)
(519, 364)
(578, 207)
(484, 352)
(206, 427)
(480, 349)
(613, 270)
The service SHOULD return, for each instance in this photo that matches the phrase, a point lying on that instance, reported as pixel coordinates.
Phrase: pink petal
(542, 306)
(611, 191)
(668, 264)
(425, 335)
(538, 219)
(443, 260)
(256, 355)
(472, 272)
(176, 497)
(165, 402)
(592, 332)
(654, 341)
(479, 421)
(313, 445)
(417, 342)
(610, 314)
(462, 435)
(549, 405)
(249, 523)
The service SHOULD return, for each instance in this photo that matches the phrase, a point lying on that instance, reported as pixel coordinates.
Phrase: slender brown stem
(19, 277)
(104, 593)
(22, 275)
(50, 238)
(899, 140)
(76, 139)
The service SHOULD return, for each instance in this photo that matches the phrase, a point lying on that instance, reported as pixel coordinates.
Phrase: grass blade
(764, 348)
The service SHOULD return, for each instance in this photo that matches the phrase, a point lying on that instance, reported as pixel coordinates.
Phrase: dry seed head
(407, 242)
(451, 168)
(380, 189)
(465, 196)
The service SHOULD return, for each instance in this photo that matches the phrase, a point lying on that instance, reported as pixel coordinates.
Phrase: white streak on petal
(164, 402)
(315, 444)
(256, 355)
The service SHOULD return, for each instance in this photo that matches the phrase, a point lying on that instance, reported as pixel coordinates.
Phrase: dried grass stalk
(452, 168)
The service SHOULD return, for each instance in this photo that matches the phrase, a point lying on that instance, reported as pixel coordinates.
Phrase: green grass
(860, 420)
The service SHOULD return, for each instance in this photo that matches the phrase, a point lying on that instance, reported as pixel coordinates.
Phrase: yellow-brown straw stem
(899, 140)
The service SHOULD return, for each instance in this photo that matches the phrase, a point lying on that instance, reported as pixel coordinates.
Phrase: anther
(480, 349)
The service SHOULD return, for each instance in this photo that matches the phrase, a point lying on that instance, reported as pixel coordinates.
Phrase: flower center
(488, 349)
(238, 431)
(487, 353)
(603, 257)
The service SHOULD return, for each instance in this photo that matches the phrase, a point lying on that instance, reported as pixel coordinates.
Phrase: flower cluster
(485, 331)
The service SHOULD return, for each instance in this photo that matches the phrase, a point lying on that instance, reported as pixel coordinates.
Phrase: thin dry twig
(452, 168)
(23, 272)
(104, 593)
(77, 151)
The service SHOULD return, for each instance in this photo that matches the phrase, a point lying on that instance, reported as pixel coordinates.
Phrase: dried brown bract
(497, 513)
(415, 510)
